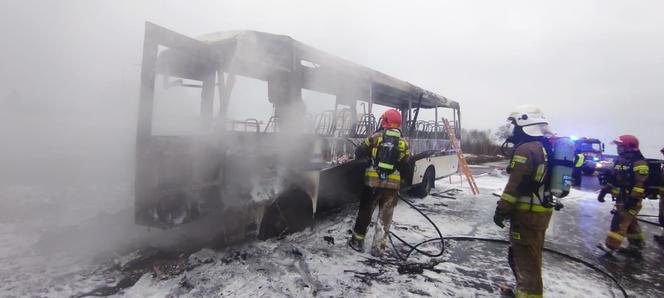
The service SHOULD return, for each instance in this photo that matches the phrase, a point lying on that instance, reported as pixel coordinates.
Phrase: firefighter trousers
(525, 259)
(661, 211)
(624, 224)
(386, 199)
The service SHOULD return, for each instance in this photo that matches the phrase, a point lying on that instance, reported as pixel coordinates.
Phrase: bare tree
(502, 133)
(478, 142)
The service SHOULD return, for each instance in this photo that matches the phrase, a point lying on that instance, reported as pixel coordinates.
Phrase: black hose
(414, 248)
(649, 222)
(647, 215)
(575, 259)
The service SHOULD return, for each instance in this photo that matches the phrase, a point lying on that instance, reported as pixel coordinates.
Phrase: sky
(594, 67)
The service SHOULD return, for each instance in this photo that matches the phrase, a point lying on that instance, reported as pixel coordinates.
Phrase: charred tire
(428, 181)
(291, 212)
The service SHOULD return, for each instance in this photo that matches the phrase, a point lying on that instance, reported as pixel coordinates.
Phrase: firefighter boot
(606, 249)
(636, 246)
(635, 249)
(356, 242)
(660, 238)
(378, 248)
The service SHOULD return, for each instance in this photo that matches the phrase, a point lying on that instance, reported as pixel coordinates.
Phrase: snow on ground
(304, 264)
(317, 261)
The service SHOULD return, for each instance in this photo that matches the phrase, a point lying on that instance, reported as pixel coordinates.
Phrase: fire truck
(593, 153)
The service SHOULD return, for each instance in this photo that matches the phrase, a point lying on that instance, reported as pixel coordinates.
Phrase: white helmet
(531, 119)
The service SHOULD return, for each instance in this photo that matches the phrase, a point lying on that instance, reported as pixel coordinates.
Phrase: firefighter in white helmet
(520, 201)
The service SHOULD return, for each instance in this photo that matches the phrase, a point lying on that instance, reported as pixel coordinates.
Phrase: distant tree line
(483, 142)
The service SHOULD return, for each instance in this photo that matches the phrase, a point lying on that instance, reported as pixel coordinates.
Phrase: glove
(498, 220)
(601, 196)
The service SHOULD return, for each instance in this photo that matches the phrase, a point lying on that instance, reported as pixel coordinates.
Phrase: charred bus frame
(180, 179)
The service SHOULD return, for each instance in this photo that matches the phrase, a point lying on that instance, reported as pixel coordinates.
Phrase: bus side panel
(446, 165)
(182, 175)
(421, 166)
(341, 184)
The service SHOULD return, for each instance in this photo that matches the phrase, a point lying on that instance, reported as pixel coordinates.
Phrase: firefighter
(627, 187)
(521, 201)
(577, 174)
(388, 154)
(660, 238)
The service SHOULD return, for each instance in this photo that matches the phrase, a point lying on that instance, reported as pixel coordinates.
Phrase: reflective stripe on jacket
(580, 159)
(661, 189)
(519, 200)
(371, 177)
(629, 176)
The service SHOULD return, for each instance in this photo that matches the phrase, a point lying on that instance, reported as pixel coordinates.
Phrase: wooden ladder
(462, 160)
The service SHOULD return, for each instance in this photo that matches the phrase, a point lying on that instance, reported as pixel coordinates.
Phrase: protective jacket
(661, 200)
(628, 177)
(522, 198)
(521, 202)
(661, 187)
(379, 192)
(580, 159)
(627, 187)
(369, 148)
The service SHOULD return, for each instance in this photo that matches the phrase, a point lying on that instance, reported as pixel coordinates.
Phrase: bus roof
(263, 55)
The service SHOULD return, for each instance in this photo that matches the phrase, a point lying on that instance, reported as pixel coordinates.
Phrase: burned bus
(201, 153)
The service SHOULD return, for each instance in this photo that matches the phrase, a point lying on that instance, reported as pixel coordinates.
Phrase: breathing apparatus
(561, 164)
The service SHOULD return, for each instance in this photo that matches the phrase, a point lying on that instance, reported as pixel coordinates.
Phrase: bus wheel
(427, 184)
(291, 212)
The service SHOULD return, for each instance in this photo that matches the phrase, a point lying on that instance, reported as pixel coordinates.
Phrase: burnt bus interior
(261, 176)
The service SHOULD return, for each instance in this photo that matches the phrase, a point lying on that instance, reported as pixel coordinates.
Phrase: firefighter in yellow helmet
(388, 154)
(660, 238)
(627, 187)
(521, 201)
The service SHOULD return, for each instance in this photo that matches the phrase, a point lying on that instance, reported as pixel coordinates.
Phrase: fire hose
(415, 248)
(638, 217)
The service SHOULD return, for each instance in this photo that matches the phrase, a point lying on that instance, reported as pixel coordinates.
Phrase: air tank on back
(562, 165)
